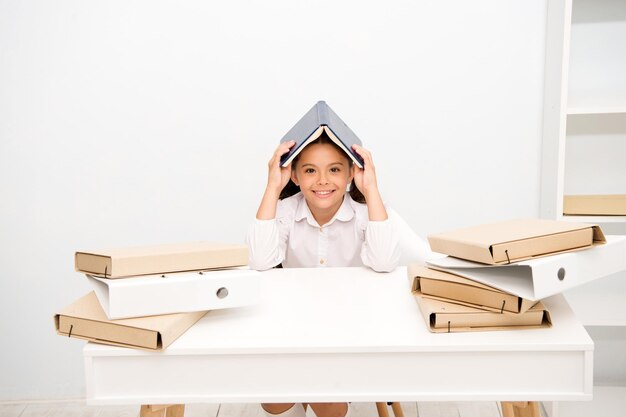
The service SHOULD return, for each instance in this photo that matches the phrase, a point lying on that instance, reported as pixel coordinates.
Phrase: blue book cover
(321, 118)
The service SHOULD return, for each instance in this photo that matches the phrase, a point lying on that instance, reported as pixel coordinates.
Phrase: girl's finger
(283, 148)
(280, 151)
(362, 151)
(367, 160)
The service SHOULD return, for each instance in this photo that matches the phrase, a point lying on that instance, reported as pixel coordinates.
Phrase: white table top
(348, 310)
(347, 319)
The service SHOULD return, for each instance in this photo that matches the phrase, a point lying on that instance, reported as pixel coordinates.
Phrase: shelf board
(571, 110)
(597, 105)
(594, 219)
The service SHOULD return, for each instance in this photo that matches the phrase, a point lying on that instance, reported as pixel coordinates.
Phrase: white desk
(344, 334)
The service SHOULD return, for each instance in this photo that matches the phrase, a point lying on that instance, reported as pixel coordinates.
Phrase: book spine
(322, 113)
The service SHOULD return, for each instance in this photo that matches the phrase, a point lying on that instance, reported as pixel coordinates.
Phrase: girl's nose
(322, 179)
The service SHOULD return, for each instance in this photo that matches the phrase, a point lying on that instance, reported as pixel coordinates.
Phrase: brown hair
(291, 188)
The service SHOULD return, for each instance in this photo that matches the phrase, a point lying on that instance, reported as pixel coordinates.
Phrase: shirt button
(322, 261)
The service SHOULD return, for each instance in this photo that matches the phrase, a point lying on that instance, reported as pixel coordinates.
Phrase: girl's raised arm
(277, 178)
(365, 180)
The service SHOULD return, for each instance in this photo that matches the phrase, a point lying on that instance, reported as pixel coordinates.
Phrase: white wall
(140, 122)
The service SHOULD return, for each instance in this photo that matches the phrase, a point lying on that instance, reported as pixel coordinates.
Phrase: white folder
(539, 278)
(176, 293)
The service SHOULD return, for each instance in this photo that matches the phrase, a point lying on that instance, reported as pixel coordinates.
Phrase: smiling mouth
(323, 193)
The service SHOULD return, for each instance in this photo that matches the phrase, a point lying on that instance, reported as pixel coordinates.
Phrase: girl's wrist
(272, 192)
(375, 208)
(267, 209)
(371, 194)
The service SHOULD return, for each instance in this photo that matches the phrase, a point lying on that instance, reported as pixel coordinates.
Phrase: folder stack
(496, 275)
(146, 297)
(452, 303)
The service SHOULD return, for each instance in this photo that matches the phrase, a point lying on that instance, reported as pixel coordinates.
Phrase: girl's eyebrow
(315, 166)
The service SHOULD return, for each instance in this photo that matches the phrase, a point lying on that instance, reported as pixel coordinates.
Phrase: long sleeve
(380, 250)
(264, 246)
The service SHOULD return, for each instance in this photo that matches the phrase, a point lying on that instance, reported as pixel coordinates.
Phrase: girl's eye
(335, 169)
(309, 170)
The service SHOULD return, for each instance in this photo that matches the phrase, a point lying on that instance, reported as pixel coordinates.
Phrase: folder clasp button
(222, 292)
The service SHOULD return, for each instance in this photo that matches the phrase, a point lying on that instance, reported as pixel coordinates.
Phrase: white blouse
(295, 239)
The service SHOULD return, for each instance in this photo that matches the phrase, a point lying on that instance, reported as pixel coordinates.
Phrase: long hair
(291, 188)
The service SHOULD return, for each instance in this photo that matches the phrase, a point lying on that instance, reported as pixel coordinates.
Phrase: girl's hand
(365, 178)
(278, 176)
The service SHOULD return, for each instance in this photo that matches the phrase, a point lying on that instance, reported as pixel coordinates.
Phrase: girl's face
(323, 174)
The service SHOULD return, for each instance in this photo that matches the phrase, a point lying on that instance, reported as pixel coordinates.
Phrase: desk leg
(177, 410)
(397, 409)
(164, 410)
(382, 409)
(520, 409)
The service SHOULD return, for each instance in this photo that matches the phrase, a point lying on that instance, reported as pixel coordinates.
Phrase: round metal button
(222, 292)
(561, 274)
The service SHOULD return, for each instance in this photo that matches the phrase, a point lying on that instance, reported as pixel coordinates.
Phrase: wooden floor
(79, 409)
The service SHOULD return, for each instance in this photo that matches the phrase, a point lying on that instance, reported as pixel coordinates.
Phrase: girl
(324, 211)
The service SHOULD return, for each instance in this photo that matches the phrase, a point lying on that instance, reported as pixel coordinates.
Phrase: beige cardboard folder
(600, 205)
(515, 240)
(145, 260)
(85, 319)
(535, 279)
(151, 295)
(444, 286)
(442, 317)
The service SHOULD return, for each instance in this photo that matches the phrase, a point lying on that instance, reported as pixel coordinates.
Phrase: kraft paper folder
(515, 240)
(146, 260)
(85, 319)
(442, 317)
(176, 293)
(595, 205)
(444, 286)
(539, 278)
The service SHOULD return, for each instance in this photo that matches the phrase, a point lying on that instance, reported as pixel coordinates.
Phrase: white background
(144, 122)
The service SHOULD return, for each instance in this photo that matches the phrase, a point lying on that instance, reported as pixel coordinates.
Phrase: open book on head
(321, 119)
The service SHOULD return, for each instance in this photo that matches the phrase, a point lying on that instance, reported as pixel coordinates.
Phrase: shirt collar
(344, 214)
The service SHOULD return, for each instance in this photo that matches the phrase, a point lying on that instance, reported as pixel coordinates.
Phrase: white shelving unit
(584, 152)
(584, 145)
